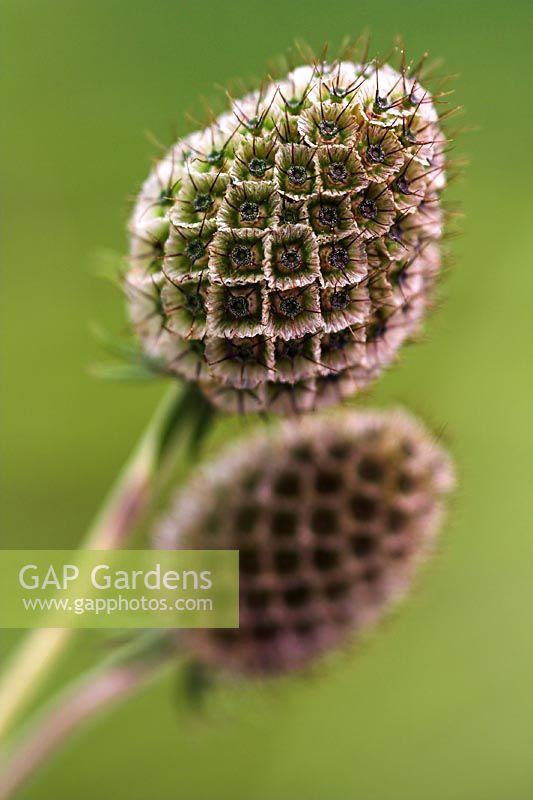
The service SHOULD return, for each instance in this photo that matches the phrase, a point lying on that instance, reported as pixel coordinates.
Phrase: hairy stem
(179, 421)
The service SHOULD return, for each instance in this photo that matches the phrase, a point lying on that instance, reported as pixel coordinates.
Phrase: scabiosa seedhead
(330, 515)
(304, 220)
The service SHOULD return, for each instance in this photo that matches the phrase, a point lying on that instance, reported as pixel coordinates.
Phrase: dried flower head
(330, 515)
(300, 226)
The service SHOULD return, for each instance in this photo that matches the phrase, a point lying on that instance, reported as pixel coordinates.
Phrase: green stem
(75, 706)
(182, 411)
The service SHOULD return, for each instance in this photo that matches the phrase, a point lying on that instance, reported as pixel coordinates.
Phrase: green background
(439, 704)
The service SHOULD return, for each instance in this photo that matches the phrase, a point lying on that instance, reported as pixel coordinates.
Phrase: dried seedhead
(311, 208)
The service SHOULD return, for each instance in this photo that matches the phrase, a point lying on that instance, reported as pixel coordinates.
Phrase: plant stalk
(179, 421)
(71, 709)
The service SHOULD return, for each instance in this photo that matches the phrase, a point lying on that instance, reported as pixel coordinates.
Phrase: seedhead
(330, 515)
(282, 256)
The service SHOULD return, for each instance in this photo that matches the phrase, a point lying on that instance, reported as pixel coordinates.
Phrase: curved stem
(182, 411)
(72, 709)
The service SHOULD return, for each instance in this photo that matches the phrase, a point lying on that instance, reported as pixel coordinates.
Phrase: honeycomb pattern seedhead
(283, 255)
(330, 515)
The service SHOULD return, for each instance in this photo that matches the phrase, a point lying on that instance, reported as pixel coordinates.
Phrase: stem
(182, 411)
(72, 708)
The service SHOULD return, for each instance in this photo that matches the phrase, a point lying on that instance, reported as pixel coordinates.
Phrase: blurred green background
(439, 704)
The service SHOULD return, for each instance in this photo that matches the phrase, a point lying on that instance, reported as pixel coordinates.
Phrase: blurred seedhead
(331, 515)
